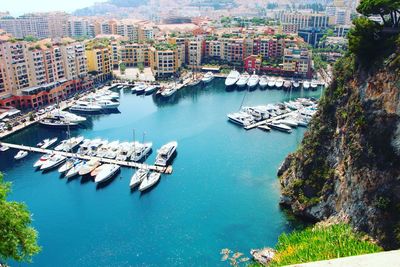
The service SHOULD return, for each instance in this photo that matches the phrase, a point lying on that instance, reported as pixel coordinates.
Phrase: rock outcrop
(348, 165)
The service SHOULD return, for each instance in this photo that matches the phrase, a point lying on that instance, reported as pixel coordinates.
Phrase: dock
(165, 170)
(264, 122)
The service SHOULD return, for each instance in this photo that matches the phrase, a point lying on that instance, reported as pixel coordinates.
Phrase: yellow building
(163, 59)
(98, 56)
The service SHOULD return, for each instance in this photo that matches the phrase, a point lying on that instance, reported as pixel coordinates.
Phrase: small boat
(169, 91)
(279, 83)
(140, 151)
(89, 166)
(314, 85)
(208, 77)
(289, 122)
(113, 150)
(165, 153)
(243, 79)
(287, 84)
(232, 78)
(57, 123)
(240, 118)
(280, 127)
(263, 81)
(194, 82)
(253, 80)
(52, 162)
(296, 84)
(150, 89)
(139, 88)
(68, 165)
(74, 170)
(138, 177)
(271, 82)
(20, 155)
(42, 160)
(47, 143)
(4, 148)
(126, 150)
(83, 106)
(306, 85)
(107, 171)
(149, 181)
(58, 114)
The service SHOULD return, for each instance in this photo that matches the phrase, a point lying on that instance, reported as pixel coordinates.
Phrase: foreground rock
(263, 256)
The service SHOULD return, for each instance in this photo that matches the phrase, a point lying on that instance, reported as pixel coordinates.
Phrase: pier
(165, 170)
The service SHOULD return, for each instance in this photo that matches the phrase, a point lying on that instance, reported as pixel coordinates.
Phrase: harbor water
(223, 192)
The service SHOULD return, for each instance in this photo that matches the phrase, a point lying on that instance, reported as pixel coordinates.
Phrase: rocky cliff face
(348, 165)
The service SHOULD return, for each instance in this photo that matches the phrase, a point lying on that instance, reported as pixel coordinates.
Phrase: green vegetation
(18, 240)
(140, 67)
(30, 38)
(165, 46)
(122, 68)
(97, 43)
(321, 243)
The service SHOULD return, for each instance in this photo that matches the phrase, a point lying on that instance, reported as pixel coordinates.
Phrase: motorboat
(165, 153)
(289, 122)
(107, 171)
(264, 128)
(107, 104)
(58, 114)
(169, 91)
(126, 150)
(74, 170)
(263, 81)
(102, 150)
(83, 106)
(306, 85)
(68, 165)
(243, 79)
(314, 85)
(253, 80)
(46, 143)
(84, 147)
(140, 151)
(149, 181)
(69, 144)
(21, 154)
(139, 88)
(232, 78)
(42, 160)
(150, 89)
(280, 127)
(194, 82)
(296, 84)
(138, 177)
(56, 123)
(52, 162)
(208, 77)
(279, 83)
(113, 149)
(287, 84)
(4, 148)
(271, 82)
(94, 146)
(240, 118)
(88, 167)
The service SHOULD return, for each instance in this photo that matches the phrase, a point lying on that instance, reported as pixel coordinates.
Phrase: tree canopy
(18, 240)
(388, 10)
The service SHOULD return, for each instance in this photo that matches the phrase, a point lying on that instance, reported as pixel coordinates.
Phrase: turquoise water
(223, 192)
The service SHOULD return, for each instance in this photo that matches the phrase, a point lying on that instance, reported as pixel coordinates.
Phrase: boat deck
(166, 170)
(264, 122)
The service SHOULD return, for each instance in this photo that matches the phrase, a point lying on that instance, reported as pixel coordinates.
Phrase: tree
(18, 240)
(388, 10)
(122, 68)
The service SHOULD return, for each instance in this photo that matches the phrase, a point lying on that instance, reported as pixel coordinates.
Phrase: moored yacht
(263, 81)
(56, 123)
(138, 177)
(89, 166)
(232, 78)
(58, 114)
(113, 149)
(208, 77)
(42, 160)
(21, 154)
(287, 84)
(150, 89)
(280, 127)
(139, 88)
(149, 181)
(52, 162)
(83, 106)
(46, 143)
(68, 165)
(165, 153)
(107, 171)
(107, 104)
(279, 83)
(313, 85)
(243, 79)
(253, 80)
(271, 82)
(140, 151)
(306, 85)
(241, 118)
(169, 91)
(296, 84)
(74, 170)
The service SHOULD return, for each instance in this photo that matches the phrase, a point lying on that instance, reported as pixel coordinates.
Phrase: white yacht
(306, 85)
(253, 80)
(69, 144)
(243, 79)
(280, 127)
(232, 78)
(149, 181)
(66, 116)
(107, 104)
(102, 150)
(113, 149)
(169, 91)
(88, 167)
(279, 83)
(208, 77)
(139, 88)
(150, 89)
(4, 148)
(240, 118)
(263, 81)
(42, 160)
(140, 151)
(83, 106)
(138, 177)
(84, 147)
(296, 84)
(271, 82)
(74, 170)
(107, 171)
(165, 153)
(46, 143)
(21, 154)
(68, 165)
(57, 123)
(95, 145)
(287, 84)
(289, 122)
(126, 150)
(52, 162)
(314, 85)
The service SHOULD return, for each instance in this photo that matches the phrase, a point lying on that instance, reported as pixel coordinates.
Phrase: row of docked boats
(104, 100)
(144, 88)
(251, 81)
(58, 118)
(281, 116)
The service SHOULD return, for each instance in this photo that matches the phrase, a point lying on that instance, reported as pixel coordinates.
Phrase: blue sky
(18, 7)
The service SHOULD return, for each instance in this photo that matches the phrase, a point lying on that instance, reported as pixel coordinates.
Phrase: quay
(254, 125)
(165, 170)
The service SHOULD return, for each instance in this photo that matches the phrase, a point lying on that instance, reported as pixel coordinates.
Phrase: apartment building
(132, 54)
(293, 21)
(78, 27)
(99, 61)
(74, 60)
(163, 59)
(194, 52)
(297, 61)
(180, 43)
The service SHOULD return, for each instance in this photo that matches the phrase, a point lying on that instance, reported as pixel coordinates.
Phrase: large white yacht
(52, 162)
(107, 171)
(279, 83)
(253, 80)
(140, 151)
(208, 77)
(88, 167)
(107, 104)
(241, 118)
(169, 91)
(232, 78)
(165, 153)
(65, 115)
(271, 82)
(263, 81)
(243, 79)
(83, 106)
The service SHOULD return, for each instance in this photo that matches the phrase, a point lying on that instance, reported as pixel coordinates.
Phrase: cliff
(348, 164)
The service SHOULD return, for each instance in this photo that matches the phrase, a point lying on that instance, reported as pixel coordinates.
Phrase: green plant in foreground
(321, 243)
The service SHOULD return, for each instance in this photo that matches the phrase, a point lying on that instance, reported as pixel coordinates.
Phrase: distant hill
(109, 6)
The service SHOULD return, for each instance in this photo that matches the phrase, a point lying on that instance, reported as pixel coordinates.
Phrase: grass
(321, 243)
